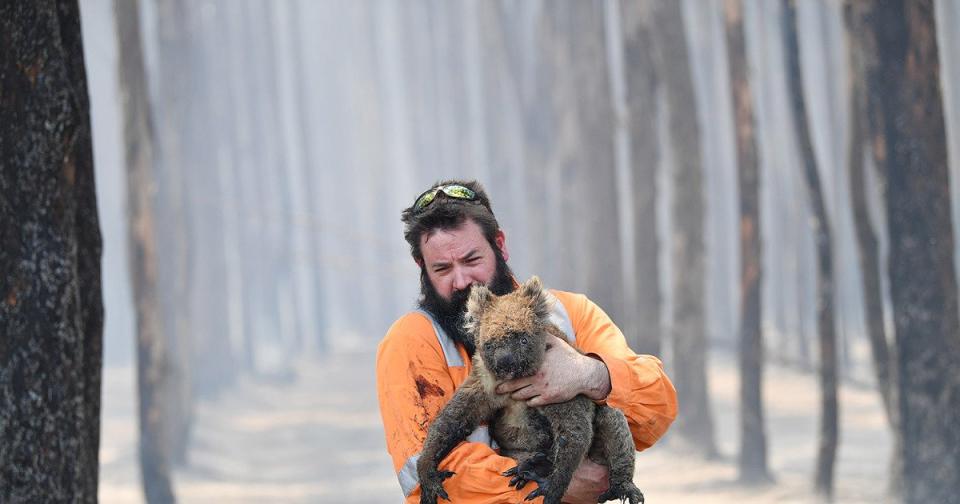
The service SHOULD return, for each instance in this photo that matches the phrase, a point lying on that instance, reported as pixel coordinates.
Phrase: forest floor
(318, 439)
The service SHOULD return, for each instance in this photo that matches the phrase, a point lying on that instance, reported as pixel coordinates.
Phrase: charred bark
(590, 162)
(579, 151)
(868, 244)
(753, 442)
(862, 51)
(695, 420)
(153, 352)
(641, 97)
(51, 309)
(173, 138)
(923, 285)
(827, 446)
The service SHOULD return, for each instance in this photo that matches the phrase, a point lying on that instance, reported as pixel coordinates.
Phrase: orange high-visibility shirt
(415, 380)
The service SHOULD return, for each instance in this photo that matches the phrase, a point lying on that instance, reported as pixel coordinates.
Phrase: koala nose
(505, 362)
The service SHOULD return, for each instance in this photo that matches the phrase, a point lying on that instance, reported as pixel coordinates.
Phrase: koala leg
(465, 411)
(613, 446)
(572, 436)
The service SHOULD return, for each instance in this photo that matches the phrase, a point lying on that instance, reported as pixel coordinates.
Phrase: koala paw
(550, 492)
(623, 492)
(534, 468)
(431, 486)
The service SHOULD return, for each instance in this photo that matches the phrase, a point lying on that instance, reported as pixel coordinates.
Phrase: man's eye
(472, 260)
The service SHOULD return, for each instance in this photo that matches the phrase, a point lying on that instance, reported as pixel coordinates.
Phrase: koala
(548, 442)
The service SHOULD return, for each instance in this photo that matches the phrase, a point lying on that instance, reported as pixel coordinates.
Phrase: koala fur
(548, 442)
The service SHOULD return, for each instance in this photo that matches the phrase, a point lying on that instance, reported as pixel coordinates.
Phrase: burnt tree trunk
(868, 244)
(923, 283)
(641, 98)
(753, 441)
(174, 135)
(827, 447)
(862, 54)
(592, 164)
(695, 421)
(153, 352)
(51, 309)
(581, 150)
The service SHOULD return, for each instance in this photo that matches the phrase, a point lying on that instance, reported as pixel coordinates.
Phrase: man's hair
(446, 213)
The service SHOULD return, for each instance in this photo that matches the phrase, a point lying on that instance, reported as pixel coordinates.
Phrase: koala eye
(523, 340)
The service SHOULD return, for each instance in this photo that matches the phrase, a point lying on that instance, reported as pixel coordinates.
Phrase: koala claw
(547, 491)
(520, 479)
(624, 493)
(432, 487)
(529, 470)
(534, 494)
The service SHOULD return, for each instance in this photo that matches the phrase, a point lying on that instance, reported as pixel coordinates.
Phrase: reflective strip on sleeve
(446, 343)
(408, 473)
(560, 318)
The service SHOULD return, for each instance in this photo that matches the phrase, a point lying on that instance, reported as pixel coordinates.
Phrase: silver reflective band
(408, 473)
(560, 318)
(446, 343)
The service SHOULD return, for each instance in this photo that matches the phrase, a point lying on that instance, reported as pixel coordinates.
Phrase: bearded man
(456, 241)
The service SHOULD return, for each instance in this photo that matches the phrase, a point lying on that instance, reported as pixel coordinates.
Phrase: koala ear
(480, 299)
(541, 300)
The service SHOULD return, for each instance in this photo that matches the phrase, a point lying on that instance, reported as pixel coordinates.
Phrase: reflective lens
(453, 191)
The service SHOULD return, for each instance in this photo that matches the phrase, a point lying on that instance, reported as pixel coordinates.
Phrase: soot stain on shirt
(425, 388)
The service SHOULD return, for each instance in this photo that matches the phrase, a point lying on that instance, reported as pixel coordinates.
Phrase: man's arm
(638, 385)
(413, 384)
(610, 372)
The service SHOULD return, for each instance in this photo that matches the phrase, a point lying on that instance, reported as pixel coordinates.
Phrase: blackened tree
(51, 308)
(865, 135)
(640, 78)
(923, 285)
(153, 352)
(753, 441)
(827, 446)
(695, 420)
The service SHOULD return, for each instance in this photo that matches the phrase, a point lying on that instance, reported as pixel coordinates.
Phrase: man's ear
(540, 299)
(500, 239)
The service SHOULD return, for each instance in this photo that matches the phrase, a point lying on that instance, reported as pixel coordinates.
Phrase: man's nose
(461, 280)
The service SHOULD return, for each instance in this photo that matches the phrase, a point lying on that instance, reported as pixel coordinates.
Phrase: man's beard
(450, 314)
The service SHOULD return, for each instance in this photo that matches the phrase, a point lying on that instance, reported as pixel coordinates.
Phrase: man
(456, 241)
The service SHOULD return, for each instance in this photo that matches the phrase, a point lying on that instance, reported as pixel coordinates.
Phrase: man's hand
(563, 374)
(589, 481)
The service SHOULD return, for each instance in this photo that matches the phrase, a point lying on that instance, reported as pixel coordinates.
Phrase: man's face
(455, 259)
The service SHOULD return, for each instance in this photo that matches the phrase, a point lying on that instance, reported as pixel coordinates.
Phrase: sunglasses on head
(455, 191)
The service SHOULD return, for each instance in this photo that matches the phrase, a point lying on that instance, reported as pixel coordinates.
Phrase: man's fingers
(536, 401)
(523, 394)
(513, 385)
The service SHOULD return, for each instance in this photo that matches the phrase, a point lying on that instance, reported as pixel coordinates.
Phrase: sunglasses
(453, 190)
